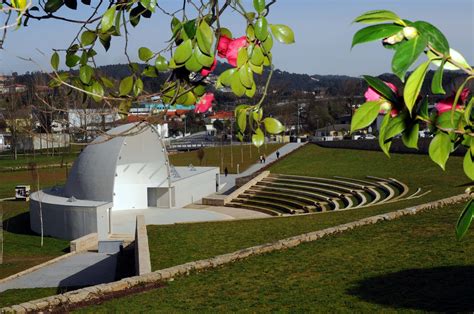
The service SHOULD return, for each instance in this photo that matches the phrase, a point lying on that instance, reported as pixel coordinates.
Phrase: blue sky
(323, 32)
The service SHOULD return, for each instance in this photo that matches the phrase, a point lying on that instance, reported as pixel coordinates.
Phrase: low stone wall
(70, 300)
(396, 147)
(85, 243)
(219, 200)
(142, 251)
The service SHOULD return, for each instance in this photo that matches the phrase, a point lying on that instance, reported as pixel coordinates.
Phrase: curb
(82, 297)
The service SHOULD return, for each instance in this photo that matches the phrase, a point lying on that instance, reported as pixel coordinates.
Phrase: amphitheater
(277, 194)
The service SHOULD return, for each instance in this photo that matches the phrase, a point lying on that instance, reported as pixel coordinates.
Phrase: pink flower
(223, 45)
(447, 103)
(233, 49)
(207, 71)
(205, 103)
(372, 95)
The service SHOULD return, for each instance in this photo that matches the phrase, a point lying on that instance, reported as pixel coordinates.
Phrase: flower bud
(385, 107)
(410, 32)
(398, 37)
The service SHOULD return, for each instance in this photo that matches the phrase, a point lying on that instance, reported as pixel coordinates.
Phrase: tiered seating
(291, 194)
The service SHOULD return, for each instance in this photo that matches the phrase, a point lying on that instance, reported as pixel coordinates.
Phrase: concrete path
(228, 182)
(82, 269)
(123, 221)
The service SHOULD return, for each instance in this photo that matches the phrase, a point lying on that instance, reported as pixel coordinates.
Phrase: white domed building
(126, 169)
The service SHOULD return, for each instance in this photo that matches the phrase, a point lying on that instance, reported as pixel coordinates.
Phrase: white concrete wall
(194, 188)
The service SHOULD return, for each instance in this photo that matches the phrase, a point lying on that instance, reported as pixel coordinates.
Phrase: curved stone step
(286, 201)
(304, 199)
(330, 193)
(271, 205)
(311, 183)
(332, 204)
(256, 208)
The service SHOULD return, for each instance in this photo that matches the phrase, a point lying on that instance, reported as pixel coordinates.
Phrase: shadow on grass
(19, 224)
(441, 289)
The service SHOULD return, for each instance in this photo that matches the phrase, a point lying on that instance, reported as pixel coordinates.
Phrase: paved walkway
(229, 181)
(82, 269)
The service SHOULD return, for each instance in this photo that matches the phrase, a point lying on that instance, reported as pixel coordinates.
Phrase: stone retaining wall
(95, 293)
(142, 251)
(88, 242)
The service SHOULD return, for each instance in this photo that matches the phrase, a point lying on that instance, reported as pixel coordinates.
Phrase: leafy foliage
(453, 123)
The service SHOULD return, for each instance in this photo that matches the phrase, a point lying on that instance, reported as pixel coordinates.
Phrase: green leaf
(193, 64)
(423, 111)
(381, 88)
(439, 149)
(236, 85)
(267, 44)
(273, 126)
(98, 91)
(242, 120)
(150, 71)
(261, 28)
(107, 19)
(257, 56)
(138, 87)
(126, 85)
(378, 16)
(437, 40)
(394, 127)
(464, 220)
(161, 64)
(468, 165)
(437, 81)
(413, 85)
(203, 59)
(384, 145)
(85, 74)
(189, 30)
(183, 52)
(53, 5)
(406, 54)
(226, 77)
(256, 69)
(88, 38)
(259, 5)
(246, 76)
(205, 37)
(410, 136)
(71, 4)
(250, 92)
(105, 41)
(242, 57)
(448, 120)
(72, 60)
(124, 108)
(468, 110)
(55, 61)
(108, 83)
(375, 32)
(258, 138)
(145, 54)
(283, 33)
(365, 115)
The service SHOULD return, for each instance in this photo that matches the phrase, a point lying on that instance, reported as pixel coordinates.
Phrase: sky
(323, 33)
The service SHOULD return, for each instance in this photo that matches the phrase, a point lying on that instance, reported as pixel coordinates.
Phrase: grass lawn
(22, 248)
(6, 162)
(17, 296)
(410, 264)
(248, 153)
(203, 240)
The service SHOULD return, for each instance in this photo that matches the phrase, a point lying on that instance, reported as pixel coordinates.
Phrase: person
(226, 171)
(278, 154)
(260, 158)
(264, 159)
